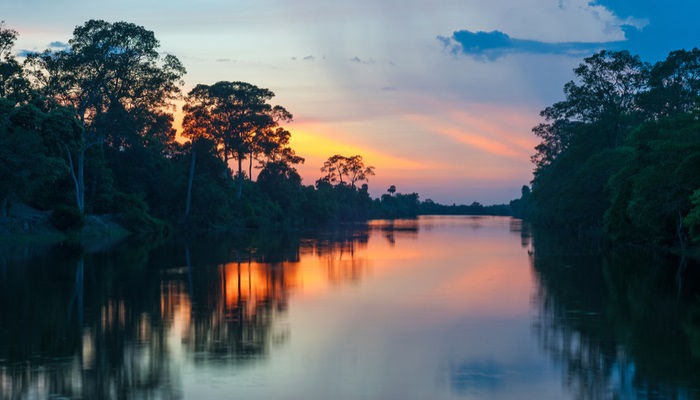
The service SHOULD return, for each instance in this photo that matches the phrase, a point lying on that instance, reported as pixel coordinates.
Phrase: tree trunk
(250, 167)
(73, 175)
(189, 184)
(240, 178)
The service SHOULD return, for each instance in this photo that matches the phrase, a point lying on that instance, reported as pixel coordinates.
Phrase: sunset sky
(440, 96)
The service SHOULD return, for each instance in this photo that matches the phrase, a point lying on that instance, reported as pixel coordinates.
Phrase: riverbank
(28, 225)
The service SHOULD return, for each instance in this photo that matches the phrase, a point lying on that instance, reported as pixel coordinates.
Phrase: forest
(619, 157)
(88, 130)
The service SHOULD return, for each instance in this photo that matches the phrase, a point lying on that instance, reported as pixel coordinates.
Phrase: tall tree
(235, 115)
(13, 84)
(112, 71)
(356, 170)
(352, 168)
(674, 85)
(333, 168)
(605, 93)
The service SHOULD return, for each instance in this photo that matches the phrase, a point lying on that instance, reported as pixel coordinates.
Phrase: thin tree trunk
(240, 178)
(72, 174)
(250, 167)
(189, 183)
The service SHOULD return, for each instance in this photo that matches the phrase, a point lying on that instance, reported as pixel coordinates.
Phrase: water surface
(434, 308)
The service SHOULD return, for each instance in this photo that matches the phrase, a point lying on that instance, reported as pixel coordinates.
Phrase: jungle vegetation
(88, 129)
(620, 155)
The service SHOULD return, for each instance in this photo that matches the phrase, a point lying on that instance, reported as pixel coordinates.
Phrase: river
(434, 308)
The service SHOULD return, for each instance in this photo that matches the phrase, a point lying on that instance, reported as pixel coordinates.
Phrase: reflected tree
(616, 329)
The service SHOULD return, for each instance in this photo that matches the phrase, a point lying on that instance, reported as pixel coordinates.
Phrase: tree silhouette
(236, 115)
(111, 69)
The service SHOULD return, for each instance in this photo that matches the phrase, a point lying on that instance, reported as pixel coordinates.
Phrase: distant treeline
(428, 207)
(88, 129)
(620, 156)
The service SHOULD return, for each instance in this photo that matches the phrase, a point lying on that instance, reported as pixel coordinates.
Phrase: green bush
(66, 218)
(135, 216)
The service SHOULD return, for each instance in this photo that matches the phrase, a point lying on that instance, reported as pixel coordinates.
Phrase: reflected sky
(439, 308)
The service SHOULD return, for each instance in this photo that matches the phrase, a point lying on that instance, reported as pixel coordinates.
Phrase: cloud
(361, 61)
(59, 45)
(53, 46)
(489, 46)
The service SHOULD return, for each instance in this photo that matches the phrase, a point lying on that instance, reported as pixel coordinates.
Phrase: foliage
(135, 216)
(239, 119)
(94, 132)
(620, 154)
(14, 85)
(352, 168)
(67, 218)
(114, 82)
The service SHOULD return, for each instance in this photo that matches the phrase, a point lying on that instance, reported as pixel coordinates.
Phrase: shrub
(66, 218)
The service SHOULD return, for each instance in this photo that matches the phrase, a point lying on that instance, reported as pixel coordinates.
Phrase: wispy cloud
(489, 46)
(59, 45)
(306, 58)
(361, 61)
(53, 46)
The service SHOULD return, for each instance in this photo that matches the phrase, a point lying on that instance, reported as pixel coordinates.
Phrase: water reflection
(121, 321)
(440, 307)
(614, 321)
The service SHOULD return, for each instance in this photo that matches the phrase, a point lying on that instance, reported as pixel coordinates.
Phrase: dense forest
(620, 156)
(88, 130)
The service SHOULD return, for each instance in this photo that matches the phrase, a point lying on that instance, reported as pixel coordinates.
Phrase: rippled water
(434, 308)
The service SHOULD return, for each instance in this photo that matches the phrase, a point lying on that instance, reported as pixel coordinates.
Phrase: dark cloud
(307, 58)
(59, 45)
(24, 53)
(489, 46)
(361, 61)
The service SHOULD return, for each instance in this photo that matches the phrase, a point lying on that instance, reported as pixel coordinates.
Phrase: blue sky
(439, 96)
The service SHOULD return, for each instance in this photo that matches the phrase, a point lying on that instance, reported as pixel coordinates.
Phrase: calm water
(438, 308)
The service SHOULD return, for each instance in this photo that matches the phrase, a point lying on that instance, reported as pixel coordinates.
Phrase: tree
(235, 115)
(356, 170)
(333, 167)
(25, 140)
(13, 84)
(580, 135)
(391, 190)
(674, 85)
(273, 147)
(352, 168)
(112, 71)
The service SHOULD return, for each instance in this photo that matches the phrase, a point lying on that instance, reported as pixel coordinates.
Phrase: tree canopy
(89, 129)
(620, 154)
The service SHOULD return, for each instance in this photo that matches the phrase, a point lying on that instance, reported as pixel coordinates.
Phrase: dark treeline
(429, 207)
(620, 324)
(620, 156)
(88, 129)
